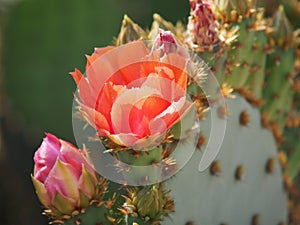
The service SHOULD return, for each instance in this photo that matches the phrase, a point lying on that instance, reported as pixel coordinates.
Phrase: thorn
(240, 173)
(244, 118)
(244, 64)
(189, 223)
(110, 219)
(233, 15)
(201, 141)
(77, 222)
(287, 183)
(75, 213)
(277, 60)
(57, 221)
(215, 168)
(270, 165)
(255, 47)
(254, 68)
(238, 45)
(223, 112)
(275, 96)
(227, 90)
(264, 84)
(255, 219)
(66, 217)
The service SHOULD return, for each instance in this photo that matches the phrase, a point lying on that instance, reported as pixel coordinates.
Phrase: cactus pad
(243, 186)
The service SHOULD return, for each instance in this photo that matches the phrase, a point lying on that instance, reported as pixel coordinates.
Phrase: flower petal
(41, 192)
(96, 120)
(139, 123)
(106, 99)
(123, 105)
(45, 156)
(87, 182)
(154, 105)
(134, 142)
(105, 66)
(179, 71)
(171, 118)
(139, 118)
(74, 157)
(85, 91)
(124, 139)
(97, 53)
(64, 204)
(84, 200)
(63, 178)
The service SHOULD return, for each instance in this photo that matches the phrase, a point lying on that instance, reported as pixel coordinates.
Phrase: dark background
(41, 42)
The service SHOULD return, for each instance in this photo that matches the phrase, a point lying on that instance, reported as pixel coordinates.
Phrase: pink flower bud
(166, 43)
(165, 40)
(64, 177)
(202, 26)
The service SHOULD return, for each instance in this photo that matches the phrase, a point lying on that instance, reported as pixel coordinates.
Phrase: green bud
(283, 33)
(130, 31)
(150, 202)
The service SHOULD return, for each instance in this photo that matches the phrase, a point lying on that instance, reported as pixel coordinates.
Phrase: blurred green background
(41, 42)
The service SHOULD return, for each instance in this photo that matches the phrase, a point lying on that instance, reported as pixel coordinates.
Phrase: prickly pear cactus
(256, 62)
(243, 184)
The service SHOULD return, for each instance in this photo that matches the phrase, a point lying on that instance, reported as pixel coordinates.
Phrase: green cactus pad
(247, 187)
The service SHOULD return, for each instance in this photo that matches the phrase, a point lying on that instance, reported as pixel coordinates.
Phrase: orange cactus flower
(133, 95)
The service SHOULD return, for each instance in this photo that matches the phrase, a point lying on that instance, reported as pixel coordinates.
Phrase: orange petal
(168, 70)
(84, 90)
(153, 106)
(96, 119)
(128, 74)
(179, 68)
(123, 104)
(106, 98)
(112, 61)
(77, 76)
(138, 122)
(97, 53)
(171, 119)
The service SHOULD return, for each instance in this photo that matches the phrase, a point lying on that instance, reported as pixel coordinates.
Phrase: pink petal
(45, 157)
(63, 178)
(74, 157)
